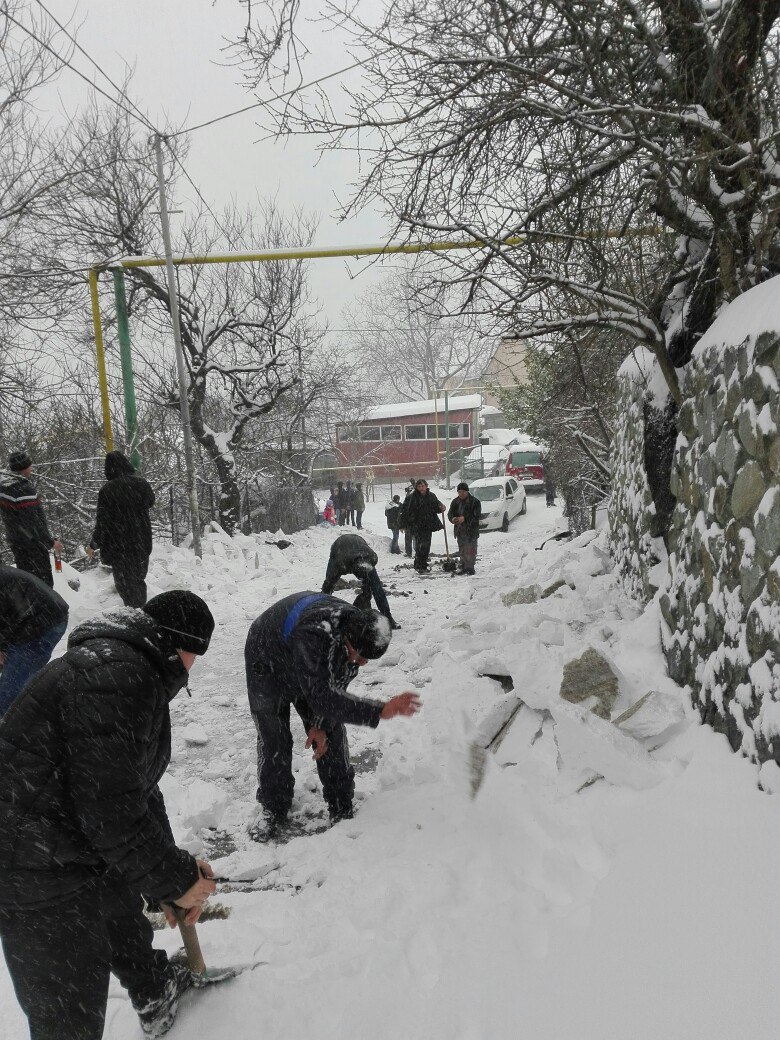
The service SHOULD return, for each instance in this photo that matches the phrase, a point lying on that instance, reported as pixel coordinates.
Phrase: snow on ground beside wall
(557, 904)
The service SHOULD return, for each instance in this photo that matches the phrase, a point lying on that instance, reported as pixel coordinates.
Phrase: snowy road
(640, 907)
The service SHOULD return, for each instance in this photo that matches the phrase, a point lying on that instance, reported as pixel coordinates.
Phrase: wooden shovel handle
(189, 937)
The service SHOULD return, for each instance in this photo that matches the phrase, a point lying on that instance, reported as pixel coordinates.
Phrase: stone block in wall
(728, 454)
(749, 489)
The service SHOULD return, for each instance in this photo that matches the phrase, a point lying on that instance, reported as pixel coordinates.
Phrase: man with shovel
(465, 512)
(83, 826)
(421, 512)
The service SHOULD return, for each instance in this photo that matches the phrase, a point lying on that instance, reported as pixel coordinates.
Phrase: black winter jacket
(28, 607)
(421, 512)
(347, 552)
(308, 667)
(82, 749)
(392, 515)
(122, 525)
(22, 512)
(472, 513)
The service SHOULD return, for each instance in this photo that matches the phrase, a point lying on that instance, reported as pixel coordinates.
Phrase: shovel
(449, 564)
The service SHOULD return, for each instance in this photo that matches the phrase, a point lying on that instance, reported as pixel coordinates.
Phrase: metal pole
(125, 354)
(101, 359)
(447, 438)
(192, 493)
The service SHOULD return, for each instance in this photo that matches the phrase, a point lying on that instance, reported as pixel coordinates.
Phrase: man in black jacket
(303, 652)
(83, 827)
(351, 554)
(402, 524)
(421, 513)
(123, 528)
(392, 515)
(25, 521)
(33, 619)
(465, 512)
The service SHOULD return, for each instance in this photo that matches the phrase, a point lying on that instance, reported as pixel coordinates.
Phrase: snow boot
(157, 1016)
(340, 811)
(268, 826)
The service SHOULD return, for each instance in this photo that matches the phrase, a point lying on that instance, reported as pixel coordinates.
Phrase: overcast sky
(176, 49)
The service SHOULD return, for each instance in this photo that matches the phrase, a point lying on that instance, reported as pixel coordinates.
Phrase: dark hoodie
(81, 752)
(123, 527)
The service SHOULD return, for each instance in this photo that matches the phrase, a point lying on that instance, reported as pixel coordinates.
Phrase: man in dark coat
(421, 512)
(33, 619)
(465, 512)
(123, 528)
(83, 827)
(340, 502)
(349, 501)
(392, 515)
(402, 524)
(351, 554)
(25, 521)
(303, 652)
(359, 500)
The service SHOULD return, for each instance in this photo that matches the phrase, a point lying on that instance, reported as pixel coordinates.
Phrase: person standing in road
(340, 502)
(83, 826)
(303, 652)
(351, 554)
(402, 524)
(465, 513)
(392, 512)
(123, 528)
(422, 515)
(25, 521)
(360, 506)
(349, 498)
(33, 619)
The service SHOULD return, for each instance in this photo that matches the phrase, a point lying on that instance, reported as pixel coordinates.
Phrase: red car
(526, 463)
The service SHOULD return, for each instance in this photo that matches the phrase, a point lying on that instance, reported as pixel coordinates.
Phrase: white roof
(391, 411)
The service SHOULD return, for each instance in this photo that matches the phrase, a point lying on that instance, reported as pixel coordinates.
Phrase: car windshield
(526, 458)
(487, 494)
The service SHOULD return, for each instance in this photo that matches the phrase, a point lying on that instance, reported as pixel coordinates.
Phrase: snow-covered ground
(639, 905)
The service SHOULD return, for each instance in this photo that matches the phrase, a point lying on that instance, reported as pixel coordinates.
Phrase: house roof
(404, 408)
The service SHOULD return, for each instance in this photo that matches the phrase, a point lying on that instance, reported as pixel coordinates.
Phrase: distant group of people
(346, 505)
(419, 515)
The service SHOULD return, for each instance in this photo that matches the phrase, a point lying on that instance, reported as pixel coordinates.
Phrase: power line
(72, 68)
(280, 97)
(92, 61)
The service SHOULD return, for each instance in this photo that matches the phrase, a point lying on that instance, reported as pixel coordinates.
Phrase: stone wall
(634, 547)
(721, 630)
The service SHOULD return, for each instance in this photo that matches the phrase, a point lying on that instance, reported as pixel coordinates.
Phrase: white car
(502, 498)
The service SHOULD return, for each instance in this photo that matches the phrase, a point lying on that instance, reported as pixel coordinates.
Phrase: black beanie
(368, 632)
(18, 461)
(185, 617)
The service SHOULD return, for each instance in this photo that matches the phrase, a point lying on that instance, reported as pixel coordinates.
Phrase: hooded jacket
(123, 527)
(28, 607)
(81, 752)
(306, 664)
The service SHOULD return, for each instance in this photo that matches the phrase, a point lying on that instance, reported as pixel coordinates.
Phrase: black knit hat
(18, 461)
(463, 486)
(185, 617)
(368, 632)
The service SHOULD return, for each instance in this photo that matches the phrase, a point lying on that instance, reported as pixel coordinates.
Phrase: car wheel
(505, 523)
(524, 510)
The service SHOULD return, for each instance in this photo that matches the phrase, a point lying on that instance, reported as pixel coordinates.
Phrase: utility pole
(184, 403)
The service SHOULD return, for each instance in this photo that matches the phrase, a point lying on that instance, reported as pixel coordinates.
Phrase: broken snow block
(558, 584)
(195, 735)
(529, 594)
(652, 715)
(590, 675)
(551, 632)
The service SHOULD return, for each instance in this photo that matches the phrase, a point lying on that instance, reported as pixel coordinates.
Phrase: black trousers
(130, 579)
(34, 559)
(408, 542)
(60, 959)
(275, 780)
(422, 548)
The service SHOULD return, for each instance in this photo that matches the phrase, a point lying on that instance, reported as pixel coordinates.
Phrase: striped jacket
(22, 512)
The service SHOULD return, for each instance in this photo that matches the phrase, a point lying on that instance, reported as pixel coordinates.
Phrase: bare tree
(408, 339)
(564, 123)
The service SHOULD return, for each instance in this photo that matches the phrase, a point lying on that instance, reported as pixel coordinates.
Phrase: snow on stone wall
(631, 511)
(721, 614)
